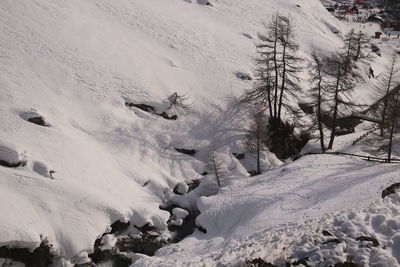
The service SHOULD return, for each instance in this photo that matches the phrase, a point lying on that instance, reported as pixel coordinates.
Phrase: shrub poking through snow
(178, 101)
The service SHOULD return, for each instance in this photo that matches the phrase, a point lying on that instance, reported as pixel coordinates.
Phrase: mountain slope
(76, 63)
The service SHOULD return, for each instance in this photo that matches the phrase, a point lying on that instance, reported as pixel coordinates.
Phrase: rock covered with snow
(10, 154)
(180, 213)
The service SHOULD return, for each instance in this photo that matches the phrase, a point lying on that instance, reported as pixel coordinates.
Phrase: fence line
(364, 135)
(367, 158)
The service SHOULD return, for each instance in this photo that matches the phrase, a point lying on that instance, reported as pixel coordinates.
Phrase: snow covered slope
(76, 63)
(276, 217)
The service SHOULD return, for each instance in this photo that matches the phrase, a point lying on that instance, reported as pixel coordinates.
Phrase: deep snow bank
(277, 217)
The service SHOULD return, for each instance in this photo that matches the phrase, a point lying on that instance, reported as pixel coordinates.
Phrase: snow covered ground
(271, 216)
(75, 64)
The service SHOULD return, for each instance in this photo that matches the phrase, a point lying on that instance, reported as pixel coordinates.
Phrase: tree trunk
(258, 154)
(283, 81)
(320, 127)
(276, 67)
(335, 110)
(393, 127)
(386, 100)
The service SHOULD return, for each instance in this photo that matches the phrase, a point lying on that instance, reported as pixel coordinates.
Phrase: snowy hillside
(276, 217)
(73, 65)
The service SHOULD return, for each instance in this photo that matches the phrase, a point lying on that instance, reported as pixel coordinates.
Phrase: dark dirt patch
(41, 256)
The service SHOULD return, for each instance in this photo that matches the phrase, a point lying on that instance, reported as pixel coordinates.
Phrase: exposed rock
(39, 121)
(374, 241)
(307, 108)
(148, 108)
(167, 117)
(258, 262)
(119, 226)
(337, 241)
(41, 256)
(346, 264)
(33, 116)
(146, 244)
(194, 184)
(143, 107)
(12, 165)
(326, 233)
(302, 261)
(244, 76)
(190, 152)
(239, 156)
(390, 190)
(181, 188)
(10, 156)
(253, 173)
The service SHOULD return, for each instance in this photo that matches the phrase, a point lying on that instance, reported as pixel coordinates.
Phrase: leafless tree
(349, 50)
(277, 67)
(362, 42)
(316, 93)
(289, 64)
(393, 124)
(257, 136)
(384, 90)
(340, 89)
(263, 90)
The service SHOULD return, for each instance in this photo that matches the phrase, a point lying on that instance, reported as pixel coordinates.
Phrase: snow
(180, 213)
(108, 242)
(285, 207)
(76, 63)
(10, 153)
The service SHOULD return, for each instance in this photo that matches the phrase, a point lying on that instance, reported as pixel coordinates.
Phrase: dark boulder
(12, 165)
(390, 190)
(39, 121)
(190, 152)
(41, 256)
(143, 107)
(374, 241)
(238, 156)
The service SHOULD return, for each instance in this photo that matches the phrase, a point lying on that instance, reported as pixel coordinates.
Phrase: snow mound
(10, 154)
(277, 217)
